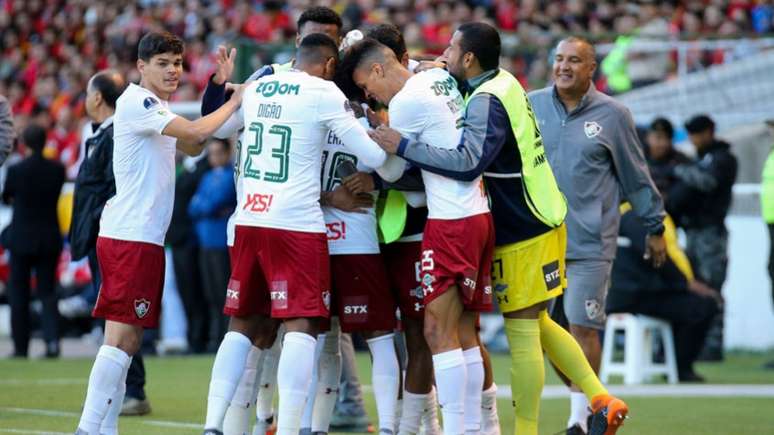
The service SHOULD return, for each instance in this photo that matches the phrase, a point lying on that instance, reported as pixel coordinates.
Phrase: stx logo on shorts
(141, 307)
(470, 283)
(232, 294)
(279, 295)
(551, 275)
(258, 203)
(355, 308)
(336, 230)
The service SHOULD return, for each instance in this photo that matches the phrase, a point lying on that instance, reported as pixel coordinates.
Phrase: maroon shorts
(458, 252)
(402, 261)
(280, 273)
(132, 282)
(361, 293)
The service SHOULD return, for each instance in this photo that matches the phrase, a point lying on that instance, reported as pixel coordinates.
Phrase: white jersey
(287, 117)
(348, 232)
(144, 168)
(429, 109)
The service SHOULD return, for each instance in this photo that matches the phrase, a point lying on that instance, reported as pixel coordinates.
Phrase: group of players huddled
(362, 207)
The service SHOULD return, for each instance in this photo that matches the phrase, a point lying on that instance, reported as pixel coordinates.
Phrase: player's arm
(216, 93)
(485, 130)
(192, 134)
(632, 172)
(334, 112)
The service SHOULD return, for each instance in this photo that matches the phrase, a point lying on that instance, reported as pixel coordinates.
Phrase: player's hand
(374, 120)
(429, 64)
(386, 138)
(359, 182)
(225, 61)
(344, 200)
(701, 289)
(236, 97)
(655, 249)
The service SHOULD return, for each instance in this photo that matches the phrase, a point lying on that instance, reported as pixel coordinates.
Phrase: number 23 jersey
(287, 117)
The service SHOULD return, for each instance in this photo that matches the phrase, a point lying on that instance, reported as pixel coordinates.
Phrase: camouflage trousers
(707, 250)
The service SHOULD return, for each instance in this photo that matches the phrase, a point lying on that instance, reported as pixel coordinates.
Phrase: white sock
(414, 406)
(385, 379)
(329, 373)
(104, 380)
(579, 410)
(430, 416)
(490, 422)
(474, 367)
(110, 422)
(264, 405)
(226, 371)
(237, 419)
(451, 380)
(293, 377)
(306, 417)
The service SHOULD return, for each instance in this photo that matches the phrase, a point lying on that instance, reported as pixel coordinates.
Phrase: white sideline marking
(49, 413)
(56, 381)
(34, 432)
(662, 390)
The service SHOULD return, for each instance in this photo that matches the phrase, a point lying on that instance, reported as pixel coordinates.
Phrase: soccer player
(458, 237)
(135, 220)
(280, 269)
(502, 141)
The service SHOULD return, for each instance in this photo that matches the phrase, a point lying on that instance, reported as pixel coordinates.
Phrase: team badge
(592, 308)
(149, 102)
(592, 129)
(141, 307)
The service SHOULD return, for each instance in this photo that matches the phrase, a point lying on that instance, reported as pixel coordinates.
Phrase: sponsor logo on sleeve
(149, 102)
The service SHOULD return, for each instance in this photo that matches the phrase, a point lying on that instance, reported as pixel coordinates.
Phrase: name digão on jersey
(269, 89)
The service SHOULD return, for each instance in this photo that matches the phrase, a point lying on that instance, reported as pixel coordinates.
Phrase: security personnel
(501, 140)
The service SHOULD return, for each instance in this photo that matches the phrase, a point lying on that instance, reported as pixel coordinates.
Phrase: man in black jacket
(670, 292)
(34, 240)
(700, 200)
(94, 185)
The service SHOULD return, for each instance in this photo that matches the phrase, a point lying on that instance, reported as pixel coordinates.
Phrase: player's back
(429, 109)
(279, 157)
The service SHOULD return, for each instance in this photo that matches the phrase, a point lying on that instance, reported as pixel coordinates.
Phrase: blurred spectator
(662, 155)
(701, 198)
(34, 240)
(669, 292)
(767, 207)
(185, 252)
(210, 208)
(7, 134)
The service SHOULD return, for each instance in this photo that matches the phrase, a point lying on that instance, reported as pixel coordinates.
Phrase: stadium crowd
(50, 48)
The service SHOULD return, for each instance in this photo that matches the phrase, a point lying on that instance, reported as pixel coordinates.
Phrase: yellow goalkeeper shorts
(531, 271)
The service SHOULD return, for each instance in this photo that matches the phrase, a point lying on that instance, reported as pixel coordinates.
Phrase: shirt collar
(470, 85)
(106, 123)
(588, 97)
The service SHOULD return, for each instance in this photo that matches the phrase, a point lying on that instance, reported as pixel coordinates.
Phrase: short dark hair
(391, 36)
(483, 41)
(155, 43)
(360, 51)
(662, 125)
(319, 14)
(699, 124)
(581, 40)
(316, 48)
(109, 85)
(34, 137)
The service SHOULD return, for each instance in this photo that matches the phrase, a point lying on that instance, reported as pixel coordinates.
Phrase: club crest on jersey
(149, 102)
(141, 307)
(592, 129)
